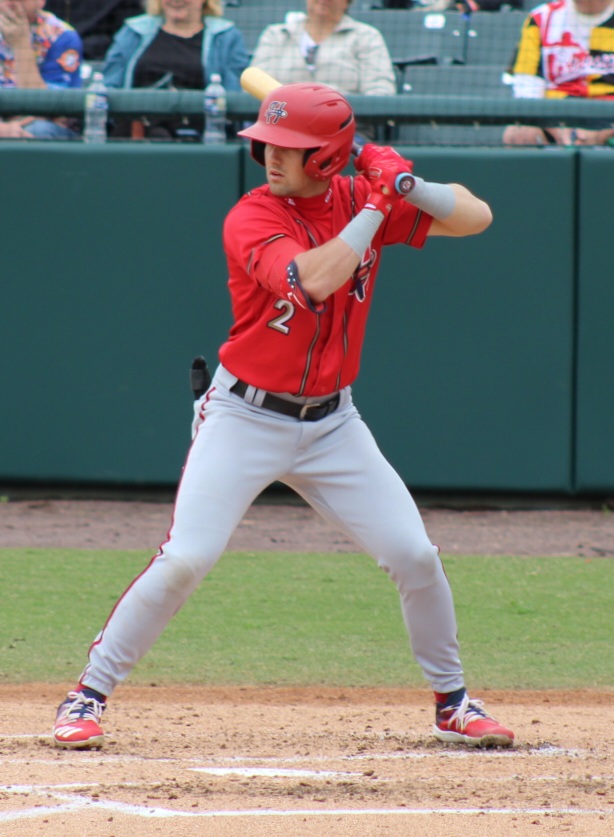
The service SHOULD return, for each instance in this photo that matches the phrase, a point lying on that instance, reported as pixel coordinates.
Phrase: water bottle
(96, 110)
(215, 111)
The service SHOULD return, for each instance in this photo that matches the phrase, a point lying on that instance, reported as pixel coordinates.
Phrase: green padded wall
(595, 386)
(113, 278)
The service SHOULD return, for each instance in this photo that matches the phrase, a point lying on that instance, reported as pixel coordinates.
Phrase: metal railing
(406, 109)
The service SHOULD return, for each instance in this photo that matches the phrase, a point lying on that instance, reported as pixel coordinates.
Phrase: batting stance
(303, 252)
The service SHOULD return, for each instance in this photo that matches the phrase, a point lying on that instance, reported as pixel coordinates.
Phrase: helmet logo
(275, 112)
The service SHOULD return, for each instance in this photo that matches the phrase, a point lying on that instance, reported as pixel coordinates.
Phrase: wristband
(359, 233)
(438, 199)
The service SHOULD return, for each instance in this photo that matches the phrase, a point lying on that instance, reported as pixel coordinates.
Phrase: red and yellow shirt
(553, 48)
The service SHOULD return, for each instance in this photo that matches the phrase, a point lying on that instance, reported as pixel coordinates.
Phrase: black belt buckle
(304, 411)
(318, 410)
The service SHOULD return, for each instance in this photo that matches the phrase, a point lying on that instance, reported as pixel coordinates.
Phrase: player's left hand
(373, 157)
(389, 175)
(388, 185)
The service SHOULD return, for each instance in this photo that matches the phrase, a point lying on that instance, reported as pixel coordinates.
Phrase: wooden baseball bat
(259, 84)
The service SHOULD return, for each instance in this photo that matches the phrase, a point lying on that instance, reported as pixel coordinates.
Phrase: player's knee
(184, 567)
(413, 568)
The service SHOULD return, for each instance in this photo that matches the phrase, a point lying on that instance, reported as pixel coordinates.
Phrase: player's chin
(278, 190)
(277, 183)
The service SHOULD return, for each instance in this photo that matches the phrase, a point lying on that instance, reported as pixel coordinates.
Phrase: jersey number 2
(279, 323)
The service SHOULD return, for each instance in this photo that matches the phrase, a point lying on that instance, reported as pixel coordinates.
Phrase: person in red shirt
(303, 252)
(566, 50)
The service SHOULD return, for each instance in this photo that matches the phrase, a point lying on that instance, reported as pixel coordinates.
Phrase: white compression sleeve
(359, 233)
(438, 199)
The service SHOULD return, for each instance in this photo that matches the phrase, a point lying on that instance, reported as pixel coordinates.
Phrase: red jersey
(275, 343)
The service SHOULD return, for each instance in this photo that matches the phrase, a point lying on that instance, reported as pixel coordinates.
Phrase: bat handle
(404, 182)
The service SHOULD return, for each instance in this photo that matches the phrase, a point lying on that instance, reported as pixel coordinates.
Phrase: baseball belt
(303, 412)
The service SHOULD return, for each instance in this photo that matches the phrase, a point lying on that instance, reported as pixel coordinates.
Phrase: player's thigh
(234, 457)
(350, 482)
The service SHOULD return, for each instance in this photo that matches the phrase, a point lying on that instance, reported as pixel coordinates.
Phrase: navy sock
(450, 698)
(92, 693)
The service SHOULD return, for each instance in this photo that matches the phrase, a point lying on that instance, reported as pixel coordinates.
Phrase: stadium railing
(446, 109)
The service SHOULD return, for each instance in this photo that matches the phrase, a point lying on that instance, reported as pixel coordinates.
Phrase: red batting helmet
(310, 116)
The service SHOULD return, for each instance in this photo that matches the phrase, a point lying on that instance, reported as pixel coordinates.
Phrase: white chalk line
(72, 804)
(273, 772)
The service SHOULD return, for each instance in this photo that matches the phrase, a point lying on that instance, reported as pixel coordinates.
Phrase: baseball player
(303, 253)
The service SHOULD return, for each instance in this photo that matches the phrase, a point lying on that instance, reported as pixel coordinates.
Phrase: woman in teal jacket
(178, 46)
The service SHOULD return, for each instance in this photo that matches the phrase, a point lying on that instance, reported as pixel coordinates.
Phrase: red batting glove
(388, 185)
(380, 156)
(382, 203)
(388, 173)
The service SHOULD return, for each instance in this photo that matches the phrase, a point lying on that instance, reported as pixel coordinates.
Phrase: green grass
(283, 618)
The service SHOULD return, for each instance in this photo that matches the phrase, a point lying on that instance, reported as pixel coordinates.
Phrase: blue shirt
(58, 51)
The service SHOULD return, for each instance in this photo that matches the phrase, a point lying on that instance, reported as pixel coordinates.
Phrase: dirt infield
(112, 524)
(265, 761)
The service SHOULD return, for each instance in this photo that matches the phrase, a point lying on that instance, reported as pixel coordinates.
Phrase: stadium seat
(457, 81)
(484, 37)
(454, 80)
(452, 37)
(450, 135)
(408, 34)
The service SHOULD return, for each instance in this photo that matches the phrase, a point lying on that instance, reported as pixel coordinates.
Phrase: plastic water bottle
(96, 110)
(215, 111)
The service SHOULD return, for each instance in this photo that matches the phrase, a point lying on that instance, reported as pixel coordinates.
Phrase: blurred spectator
(95, 20)
(487, 5)
(177, 45)
(466, 6)
(566, 49)
(13, 129)
(37, 51)
(327, 46)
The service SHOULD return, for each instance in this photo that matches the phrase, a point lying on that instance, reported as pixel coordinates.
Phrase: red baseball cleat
(77, 725)
(468, 723)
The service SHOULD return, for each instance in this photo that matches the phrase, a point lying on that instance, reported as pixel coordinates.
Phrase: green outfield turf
(286, 618)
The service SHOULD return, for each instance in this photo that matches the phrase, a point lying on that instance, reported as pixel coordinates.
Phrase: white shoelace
(467, 711)
(87, 709)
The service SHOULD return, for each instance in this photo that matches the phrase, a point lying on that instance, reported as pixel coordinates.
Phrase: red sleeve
(407, 225)
(258, 239)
